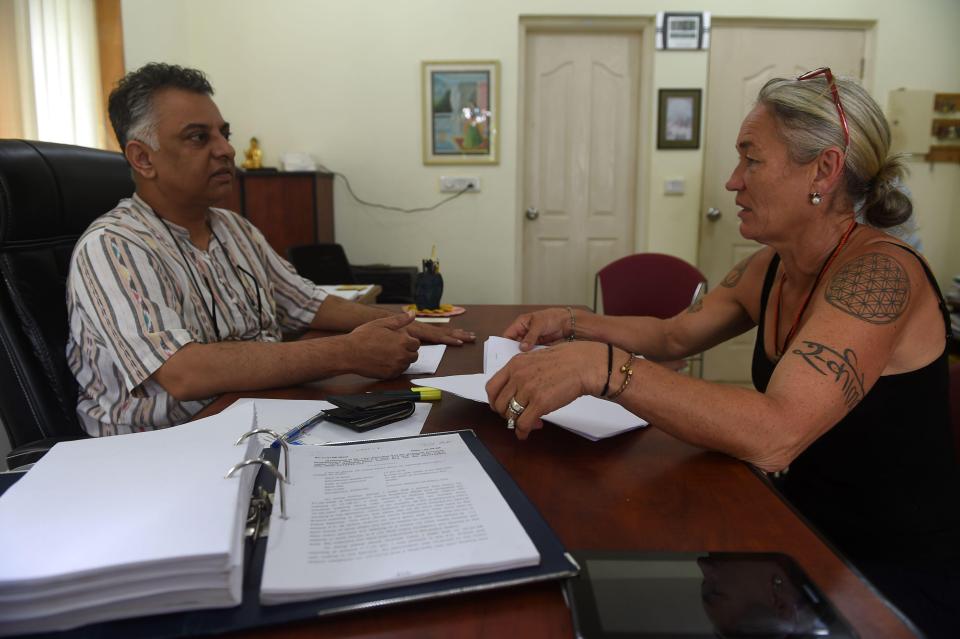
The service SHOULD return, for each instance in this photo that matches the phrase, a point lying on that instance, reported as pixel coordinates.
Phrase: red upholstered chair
(648, 284)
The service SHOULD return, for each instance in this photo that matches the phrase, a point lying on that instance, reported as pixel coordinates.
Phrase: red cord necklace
(796, 322)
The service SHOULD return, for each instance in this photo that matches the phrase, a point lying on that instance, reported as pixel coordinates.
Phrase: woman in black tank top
(850, 364)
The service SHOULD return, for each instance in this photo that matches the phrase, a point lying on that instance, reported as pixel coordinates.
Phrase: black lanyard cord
(237, 269)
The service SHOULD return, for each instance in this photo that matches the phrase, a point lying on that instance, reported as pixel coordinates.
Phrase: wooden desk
(641, 490)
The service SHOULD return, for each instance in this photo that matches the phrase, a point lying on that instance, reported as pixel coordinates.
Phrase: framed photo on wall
(461, 112)
(678, 121)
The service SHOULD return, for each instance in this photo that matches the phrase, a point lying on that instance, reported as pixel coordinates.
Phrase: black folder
(555, 563)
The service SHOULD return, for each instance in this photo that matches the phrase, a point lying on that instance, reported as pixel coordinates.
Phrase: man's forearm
(199, 371)
(336, 314)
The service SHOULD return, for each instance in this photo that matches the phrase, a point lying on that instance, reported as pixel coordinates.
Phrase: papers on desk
(348, 291)
(428, 360)
(590, 417)
(126, 526)
(370, 515)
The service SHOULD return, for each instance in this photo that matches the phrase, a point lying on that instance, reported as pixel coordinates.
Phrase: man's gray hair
(131, 102)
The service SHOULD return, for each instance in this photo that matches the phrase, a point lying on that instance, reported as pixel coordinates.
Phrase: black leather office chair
(49, 194)
(328, 264)
(321, 263)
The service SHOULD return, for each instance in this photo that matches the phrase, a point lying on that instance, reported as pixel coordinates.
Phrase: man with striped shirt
(172, 301)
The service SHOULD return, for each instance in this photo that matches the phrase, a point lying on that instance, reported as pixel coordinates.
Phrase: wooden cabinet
(289, 208)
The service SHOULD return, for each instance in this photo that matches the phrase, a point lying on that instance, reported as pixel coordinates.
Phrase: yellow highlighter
(417, 394)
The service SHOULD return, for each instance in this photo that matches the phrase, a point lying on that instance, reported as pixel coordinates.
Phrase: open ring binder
(277, 437)
(203, 574)
(273, 469)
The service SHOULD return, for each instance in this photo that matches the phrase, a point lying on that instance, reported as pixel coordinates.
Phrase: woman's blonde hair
(808, 121)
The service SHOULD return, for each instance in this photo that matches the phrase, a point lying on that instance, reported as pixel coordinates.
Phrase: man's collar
(153, 218)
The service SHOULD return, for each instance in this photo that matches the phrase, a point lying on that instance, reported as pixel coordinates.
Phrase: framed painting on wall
(460, 112)
(678, 121)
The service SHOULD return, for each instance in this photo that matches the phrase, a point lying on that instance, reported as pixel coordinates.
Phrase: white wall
(341, 80)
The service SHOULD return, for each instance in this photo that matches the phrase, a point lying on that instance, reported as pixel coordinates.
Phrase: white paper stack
(587, 416)
(347, 291)
(127, 526)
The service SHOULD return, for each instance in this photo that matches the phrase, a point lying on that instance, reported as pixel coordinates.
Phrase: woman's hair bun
(885, 204)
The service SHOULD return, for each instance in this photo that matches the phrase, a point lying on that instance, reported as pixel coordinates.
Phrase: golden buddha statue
(254, 155)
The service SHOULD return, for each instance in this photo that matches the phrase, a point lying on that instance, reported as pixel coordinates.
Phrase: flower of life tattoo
(733, 277)
(872, 287)
(841, 366)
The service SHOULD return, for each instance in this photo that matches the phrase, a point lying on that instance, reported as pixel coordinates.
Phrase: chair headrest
(46, 189)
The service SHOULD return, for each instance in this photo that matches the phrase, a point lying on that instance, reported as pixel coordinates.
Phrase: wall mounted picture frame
(678, 119)
(461, 111)
(683, 31)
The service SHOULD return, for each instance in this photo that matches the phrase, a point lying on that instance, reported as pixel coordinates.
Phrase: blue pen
(299, 429)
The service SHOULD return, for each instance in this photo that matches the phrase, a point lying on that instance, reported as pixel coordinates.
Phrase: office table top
(642, 490)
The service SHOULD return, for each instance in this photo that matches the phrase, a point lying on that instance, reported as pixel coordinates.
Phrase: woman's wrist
(570, 332)
(593, 369)
(623, 374)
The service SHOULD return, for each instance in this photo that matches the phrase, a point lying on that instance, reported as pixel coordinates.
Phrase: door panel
(742, 59)
(580, 171)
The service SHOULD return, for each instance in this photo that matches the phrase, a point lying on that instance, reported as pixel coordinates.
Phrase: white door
(742, 59)
(579, 155)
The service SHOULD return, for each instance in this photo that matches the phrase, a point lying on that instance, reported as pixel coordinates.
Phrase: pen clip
(299, 429)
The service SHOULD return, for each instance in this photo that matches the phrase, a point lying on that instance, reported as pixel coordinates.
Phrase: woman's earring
(816, 198)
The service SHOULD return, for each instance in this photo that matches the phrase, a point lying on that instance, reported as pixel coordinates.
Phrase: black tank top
(884, 482)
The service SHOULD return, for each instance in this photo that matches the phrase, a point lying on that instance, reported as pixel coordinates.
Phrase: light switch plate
(674, 186)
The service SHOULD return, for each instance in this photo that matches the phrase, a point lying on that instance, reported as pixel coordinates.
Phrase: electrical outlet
(456, 184)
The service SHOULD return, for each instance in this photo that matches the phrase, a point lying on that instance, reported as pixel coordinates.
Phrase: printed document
(388, 513)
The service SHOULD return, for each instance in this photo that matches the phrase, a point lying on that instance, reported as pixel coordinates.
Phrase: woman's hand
(547, 379)
(541, 327)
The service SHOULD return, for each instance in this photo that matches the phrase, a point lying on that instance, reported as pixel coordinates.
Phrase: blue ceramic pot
(427, 290)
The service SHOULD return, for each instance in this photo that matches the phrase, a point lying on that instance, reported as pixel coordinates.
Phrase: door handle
(714, 214)
(532, 213)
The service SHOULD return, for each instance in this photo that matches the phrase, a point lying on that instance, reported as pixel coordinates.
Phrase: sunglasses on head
(826, 73)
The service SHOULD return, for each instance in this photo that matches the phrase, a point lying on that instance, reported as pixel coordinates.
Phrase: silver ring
(511, 423)
(516, 406)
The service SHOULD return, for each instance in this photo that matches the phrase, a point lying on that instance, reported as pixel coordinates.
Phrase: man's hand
(440, 334)
(383, 348)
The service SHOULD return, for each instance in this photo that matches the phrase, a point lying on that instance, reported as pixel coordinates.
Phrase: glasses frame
(825, 71)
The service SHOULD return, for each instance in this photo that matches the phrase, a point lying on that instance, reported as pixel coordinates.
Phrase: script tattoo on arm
(872, 287)
(842, 367)
(733, 277)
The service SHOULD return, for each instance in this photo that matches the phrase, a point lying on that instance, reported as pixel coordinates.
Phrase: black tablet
(697, 595)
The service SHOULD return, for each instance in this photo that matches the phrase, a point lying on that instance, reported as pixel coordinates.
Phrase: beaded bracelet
(573, 326)
(627, 370)
(606, 386)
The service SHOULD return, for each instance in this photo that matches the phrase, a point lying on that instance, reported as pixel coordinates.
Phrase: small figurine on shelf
(428, 287)
(254, 156)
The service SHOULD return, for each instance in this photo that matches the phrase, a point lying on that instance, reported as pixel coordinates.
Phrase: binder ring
(276, 473)
(276, 436)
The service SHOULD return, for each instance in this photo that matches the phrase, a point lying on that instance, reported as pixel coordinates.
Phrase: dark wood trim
(112, 67)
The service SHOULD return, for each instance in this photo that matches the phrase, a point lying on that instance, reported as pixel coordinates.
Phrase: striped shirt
(139, 290)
